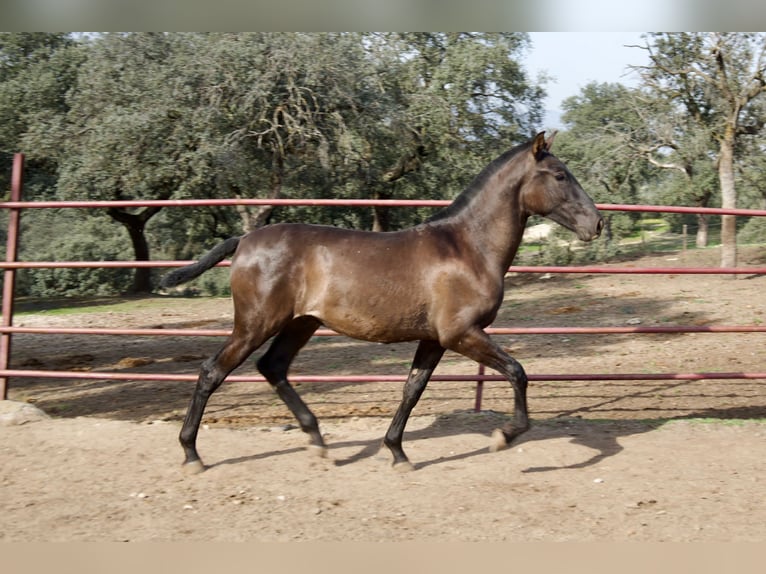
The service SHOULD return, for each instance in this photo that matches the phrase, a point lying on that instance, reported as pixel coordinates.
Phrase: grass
(69, 306)
(76, 305)
(652, 235)
(655, 423)
(716, 421)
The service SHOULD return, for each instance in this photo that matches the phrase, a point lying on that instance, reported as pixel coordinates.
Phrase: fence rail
(105, 204)
(653, 330)
(513, 269)
(105, 375)
(11, 265)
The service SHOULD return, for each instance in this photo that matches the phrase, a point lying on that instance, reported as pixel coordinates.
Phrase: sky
(574, 59)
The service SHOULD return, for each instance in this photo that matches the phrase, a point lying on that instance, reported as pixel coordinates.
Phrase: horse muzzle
(599, 228)
(589, 233)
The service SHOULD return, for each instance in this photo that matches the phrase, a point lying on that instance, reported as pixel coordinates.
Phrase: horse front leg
(427, 357)
(477, 345)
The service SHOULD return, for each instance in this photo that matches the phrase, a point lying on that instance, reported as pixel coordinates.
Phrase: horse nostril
(599, 226)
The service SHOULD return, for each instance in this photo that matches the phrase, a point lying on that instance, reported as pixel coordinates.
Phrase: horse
(439, 283)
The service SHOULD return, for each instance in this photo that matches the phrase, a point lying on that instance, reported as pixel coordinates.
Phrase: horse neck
(490, 217)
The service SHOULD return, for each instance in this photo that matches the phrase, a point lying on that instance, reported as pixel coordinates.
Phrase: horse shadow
(600, 435)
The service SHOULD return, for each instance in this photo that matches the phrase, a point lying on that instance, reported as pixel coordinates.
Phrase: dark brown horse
(439, 283)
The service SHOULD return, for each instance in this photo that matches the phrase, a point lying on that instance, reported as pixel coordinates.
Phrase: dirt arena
(625, 460)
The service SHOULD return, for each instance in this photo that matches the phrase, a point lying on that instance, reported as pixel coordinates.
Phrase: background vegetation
(356, 115)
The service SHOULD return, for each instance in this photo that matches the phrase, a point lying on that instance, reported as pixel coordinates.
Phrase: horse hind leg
(274, 365)
(212, 374)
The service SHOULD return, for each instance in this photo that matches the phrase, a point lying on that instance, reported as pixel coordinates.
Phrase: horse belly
(371, 329)
(382, 315)
(364, 285)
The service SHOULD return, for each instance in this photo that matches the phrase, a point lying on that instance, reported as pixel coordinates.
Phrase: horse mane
(474, 188)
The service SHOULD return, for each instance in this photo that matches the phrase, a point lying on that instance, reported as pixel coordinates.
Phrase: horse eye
(560, 176)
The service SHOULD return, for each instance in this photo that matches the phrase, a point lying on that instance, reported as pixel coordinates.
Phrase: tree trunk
(380, 217)
(703, 221)
(253, 218)
(728, 200)
(608, 235)
(702, 230)
(135, 224)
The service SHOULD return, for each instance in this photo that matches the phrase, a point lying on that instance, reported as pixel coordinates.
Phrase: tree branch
(684, 168)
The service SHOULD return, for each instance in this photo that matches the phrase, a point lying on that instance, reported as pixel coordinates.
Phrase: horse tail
(209, 260)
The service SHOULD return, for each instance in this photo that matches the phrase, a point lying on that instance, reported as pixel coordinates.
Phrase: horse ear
(549, 141)
(540, 146)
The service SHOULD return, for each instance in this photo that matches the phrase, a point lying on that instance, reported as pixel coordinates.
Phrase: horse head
(553, 192)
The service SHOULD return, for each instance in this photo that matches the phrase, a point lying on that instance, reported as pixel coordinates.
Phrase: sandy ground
(620, 460)
(105, 480)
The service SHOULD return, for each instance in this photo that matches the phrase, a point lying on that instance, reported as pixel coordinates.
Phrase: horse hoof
(404, 466)
(193, 467)
(497, 441)
(317, 450)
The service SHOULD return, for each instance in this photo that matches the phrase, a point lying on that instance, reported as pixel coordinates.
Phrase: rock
(132, 362)
(19, 413)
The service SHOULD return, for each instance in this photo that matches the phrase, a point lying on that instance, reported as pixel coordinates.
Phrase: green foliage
(36, 71)
(167, 115)
(601, 121)
(560, 249)
(713, 85)
(63, 235)
(325, 115)
(754, 231)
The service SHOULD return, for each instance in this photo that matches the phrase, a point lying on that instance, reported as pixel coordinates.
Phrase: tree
(36, 72)
(130, 131)
(362, 115)
(601, 123)
(197, 115)
(715, 78)
(752, 178)
(447, 102)
(672, 141)
(276, 104)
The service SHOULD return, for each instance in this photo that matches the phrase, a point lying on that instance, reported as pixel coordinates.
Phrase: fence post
(479, 390)
(9, 275)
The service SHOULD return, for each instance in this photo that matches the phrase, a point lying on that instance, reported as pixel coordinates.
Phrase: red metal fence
(15, 205)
